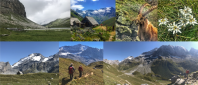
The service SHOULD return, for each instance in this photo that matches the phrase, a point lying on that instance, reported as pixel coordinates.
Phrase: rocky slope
(12, 15)
(12, 6)
(65, 22)
(166, 61)
(81, 53)
(111, 62)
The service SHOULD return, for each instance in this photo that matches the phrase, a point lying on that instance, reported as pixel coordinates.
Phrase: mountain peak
(130, 57)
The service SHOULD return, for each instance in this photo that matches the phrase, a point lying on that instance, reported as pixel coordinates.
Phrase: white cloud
(80, 7)
(95, 12)
(45, 11)
(74, 6)
(95, 0)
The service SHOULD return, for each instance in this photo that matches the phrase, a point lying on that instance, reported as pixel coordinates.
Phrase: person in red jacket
(71, 71)
(80, 69)
(187, 72)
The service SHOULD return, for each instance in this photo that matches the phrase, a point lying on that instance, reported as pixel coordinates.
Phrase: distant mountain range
(36, 62)
(65, 22)
(166, 61)
(99, 15)
(81, 53)
(33, 63)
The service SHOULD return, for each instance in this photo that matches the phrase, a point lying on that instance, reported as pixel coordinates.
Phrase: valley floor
(112, 76)
(35, 35)
(30, 79)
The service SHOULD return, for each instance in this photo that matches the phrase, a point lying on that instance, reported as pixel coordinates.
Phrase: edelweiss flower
(175, 28)
(186, 11)
(183, 22)
(163, 21)
(192, 21)
(189, 16)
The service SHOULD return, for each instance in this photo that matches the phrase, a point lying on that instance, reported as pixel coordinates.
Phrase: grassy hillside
(191, 65)
(98, 33)
(15, 21)
(113, 76)
(30, 79)
(35, 35)
(166, 68)
(170, 10)
(128, 65)
(90, 76)
(76, 15)
(59, 23)
(109, 22)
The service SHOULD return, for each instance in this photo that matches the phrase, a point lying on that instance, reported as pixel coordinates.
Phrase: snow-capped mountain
(33, 63)
(100, 14)
(111, 62)
(82, 53)
(35, 57)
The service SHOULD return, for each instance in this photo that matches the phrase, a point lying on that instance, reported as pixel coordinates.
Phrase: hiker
(80, 69)
(187, 72)
(71, 71)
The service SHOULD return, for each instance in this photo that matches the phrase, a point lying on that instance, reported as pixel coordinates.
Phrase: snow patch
(101, 10)
(45, 59)
(65, 53)
(36, 58)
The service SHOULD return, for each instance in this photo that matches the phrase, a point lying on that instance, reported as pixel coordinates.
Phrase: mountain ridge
(99, 15)
(81, 53)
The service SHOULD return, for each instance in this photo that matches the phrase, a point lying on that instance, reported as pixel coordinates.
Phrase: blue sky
(14, 51)
(90, 44)
(91, 4)
(121, 50)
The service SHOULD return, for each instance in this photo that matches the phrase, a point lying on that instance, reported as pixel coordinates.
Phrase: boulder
(195, 75)
(174, 79)
(19, 73)
(180, 82)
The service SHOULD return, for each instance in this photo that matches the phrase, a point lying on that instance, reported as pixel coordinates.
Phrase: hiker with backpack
(71, 71)
(187, 72)
(80, 69)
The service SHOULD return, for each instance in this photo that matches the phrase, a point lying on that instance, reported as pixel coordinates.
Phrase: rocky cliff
(12, 6)
(13, 15)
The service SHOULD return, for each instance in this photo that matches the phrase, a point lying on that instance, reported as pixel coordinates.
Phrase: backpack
(80, 69)
(187, 72)
(70, 70)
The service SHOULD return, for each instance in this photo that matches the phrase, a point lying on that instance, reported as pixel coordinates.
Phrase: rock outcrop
(13, 15)
(126, 30)
(12, 6)
(194, 52)
(111, 62)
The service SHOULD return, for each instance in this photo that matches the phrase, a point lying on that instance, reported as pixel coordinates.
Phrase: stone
(180, 82)
(173, 79)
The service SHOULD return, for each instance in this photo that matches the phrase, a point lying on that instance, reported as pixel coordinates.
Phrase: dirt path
(101, 27)
(112, 34)
(128, 82)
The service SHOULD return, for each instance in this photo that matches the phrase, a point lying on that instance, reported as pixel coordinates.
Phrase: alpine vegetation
(177, 22)
(186, 18)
